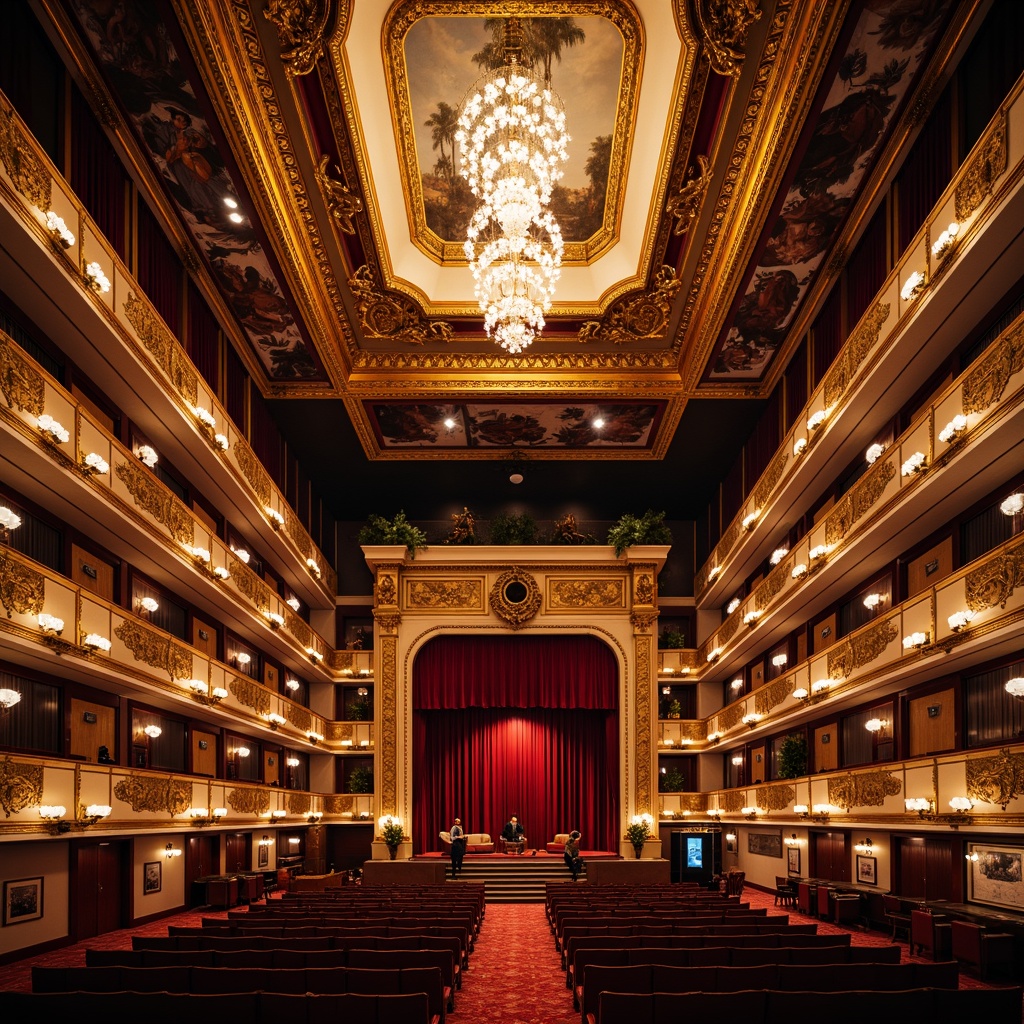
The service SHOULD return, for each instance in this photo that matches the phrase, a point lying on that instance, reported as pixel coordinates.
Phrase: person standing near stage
(573, 860)
(458, 847)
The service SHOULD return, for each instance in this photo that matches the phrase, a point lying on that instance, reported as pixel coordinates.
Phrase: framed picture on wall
(994, 875)
(867, 870)
(23, 900)
(730, 842)
(262, 855)
(793, 860)
(152, 877)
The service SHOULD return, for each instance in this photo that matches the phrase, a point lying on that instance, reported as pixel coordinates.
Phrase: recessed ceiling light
(598, 423)
(230, 203)
(449, 423)
(235, 218)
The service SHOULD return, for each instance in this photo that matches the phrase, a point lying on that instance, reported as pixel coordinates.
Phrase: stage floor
(541, 855)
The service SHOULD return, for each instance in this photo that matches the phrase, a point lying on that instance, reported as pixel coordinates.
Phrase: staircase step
(515, 879)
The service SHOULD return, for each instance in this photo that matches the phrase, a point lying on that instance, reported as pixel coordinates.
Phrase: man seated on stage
(514, 835)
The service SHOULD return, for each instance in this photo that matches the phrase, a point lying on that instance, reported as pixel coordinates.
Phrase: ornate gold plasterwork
(21, 383)
(298, 803)
(250, 585)
(861, 649)
(724, 25)
(643, 588)
(695, 732)
(21, 786)
(868, 789)
(27, 172)
(342, 659)
(156, 500)
(987, 379)
(853, 353)
(387, 592)
(155, 649)
(642, 622)
(996, 779)
(731, 716)
(388, 692)
(734, 800)
(22, 589)
(338, 803)
(298, 628)
(642, 647)
(250, 694)
(994, 582)
(515, 613)
(685, 204)
(636, 317)
(586, 594)
(391, 315)
(987, 163)
(253, 471)
(841, 519)
(147, 793)
(340, 201)
(462, 594)
(299, 717)
(299, 537)
(695, 803)
(727, 630)
(774, 798)
(249, 801)
(340, 731)
(772, 695)
(770, 587)
(300, 28)
(769, 479)
(163, 347)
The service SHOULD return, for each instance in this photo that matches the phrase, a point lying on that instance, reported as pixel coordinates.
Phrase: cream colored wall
(881, 848)
(172, 889)
(48, 860)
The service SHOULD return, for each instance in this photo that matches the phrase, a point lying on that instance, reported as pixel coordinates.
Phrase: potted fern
(649, 528)
(641, 828)
(392, 834)
(380, 530)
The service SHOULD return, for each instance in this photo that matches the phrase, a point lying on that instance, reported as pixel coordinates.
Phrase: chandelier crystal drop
(512, 145)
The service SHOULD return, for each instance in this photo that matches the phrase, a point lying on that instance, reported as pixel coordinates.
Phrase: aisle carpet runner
(514, 974)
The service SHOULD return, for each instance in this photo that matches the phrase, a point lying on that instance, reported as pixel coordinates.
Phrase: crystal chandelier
(512, 143)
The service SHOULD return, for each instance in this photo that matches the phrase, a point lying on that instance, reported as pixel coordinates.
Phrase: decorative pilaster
(387, 618)
(643, 617)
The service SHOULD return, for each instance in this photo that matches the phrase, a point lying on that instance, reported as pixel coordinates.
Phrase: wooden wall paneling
(271, 677)
(272, 767)
(826, 747)
(929, 568)
(204, 637)
(824, 510)
(757, 765)
(204, 753)
(823, 634)
(933, 723)
(92, 726)
(92, 572)
(912, 869)
(801, 646)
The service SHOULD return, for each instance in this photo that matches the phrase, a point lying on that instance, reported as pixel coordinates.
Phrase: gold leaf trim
(842, 518)
(20, 382)
(155, 649)
(299, 717)
(724, 25)
(145, 793)
(733, 801)
(636, 317)
(163, 347)
(987, 379)
(249, 801)
(389, 315)
(252, 470)
(389, 724)
(250, 585)
(387, 592)
(27, 172)
(300, 28)
(994, 582)
(251, 694)
(21, 786)
(155, 499)
(861, 649)
(769, 479)
(642, 646)
(695, 803)
(996, 779)
(686, 203)
(986, 164)
(422, 593)
(517, 613)
(866, 790)
(775, 798)
(22, 589)
(298, 803)
(587, 594)
(730, 716)
(853, 353)
(336, 803)
(643, 589)
(772, 695)
(340, 201)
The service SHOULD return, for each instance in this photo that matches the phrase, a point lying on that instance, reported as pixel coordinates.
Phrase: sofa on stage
(476, 842)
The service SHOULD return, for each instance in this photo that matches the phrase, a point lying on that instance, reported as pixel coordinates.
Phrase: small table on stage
(515, 845)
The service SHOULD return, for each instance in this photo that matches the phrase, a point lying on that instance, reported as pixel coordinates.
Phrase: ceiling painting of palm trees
(580, 58)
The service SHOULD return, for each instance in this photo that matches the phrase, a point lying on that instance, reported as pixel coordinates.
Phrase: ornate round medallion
(515, 597)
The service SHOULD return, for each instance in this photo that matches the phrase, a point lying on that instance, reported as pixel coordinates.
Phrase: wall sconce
(1010, 506)
(275, 517)
(148, 604)
(749, 521)
(204, 416)
(276, 620)
(915, 641)
(50, 624)
(242, 751)
(170, 850)
(714, 812)
(713, 573)
(799, 447)
(801, 693)
(922, 804)
(714, 654)
(801, 809)
(221, 441)
(961, 812)
(242, 658)
(736, 684)
(147, 455)
(278, 815)
(275, 720)
(93, 642)
(9, 520)
(943, 245)
(872, 601)
(961, 804)
(818, 552)
(311, 565)
(875, 725)
(953, 429)
(95, 463)
(820, 687)
(59, 230)
(821, 812)
(737, 760)
(912, 286)
(94, 812)
(750, 619)
(241, 554)
(799, 571)
(201, 691)
(917, 463)
(780, 660)
(292, 762)
(266, 841)
(732, 606)
(864, 846)
(314, 655)
(314, 817)
(9, 697)
(293, 840)
(752, 719)
(364, 671)
(972, 857)
(816, 419)
(291, 684)
(294, 603)
(1014, 687)
(714, 737)
(778, 555)
(152, 731)
(874, 453)
(959, 621)
(730, 837)
(751, 812)
(52, 815)
(315, 737)
(791, 840)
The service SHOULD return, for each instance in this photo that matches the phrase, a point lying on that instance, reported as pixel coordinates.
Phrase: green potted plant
(513, 528)
(360, 779)
(380, 530)
(675, 709)
(641, 828)
(359, 709)
(673, 781)
(392, 834)
(672, 639)
(792, 756)
(649, 528)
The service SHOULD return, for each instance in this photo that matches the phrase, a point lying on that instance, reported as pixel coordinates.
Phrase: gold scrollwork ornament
(686, 203)
(301, 26)
(340, 201)
(387, 315)
(724, 25)
(515, 597)
(636, 317)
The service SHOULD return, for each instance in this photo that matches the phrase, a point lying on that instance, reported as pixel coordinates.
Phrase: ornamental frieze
(391, 315)
(731, 716)
(841, 519)
(340, 200)
(298, 628)
(987, 379)
(853, 353)
(338, 803)
(774, 798)
(298, 803)
(155, 649)
(868, 789)
(252, 470)
(146, 793)
(22, 588)
(515, 597)
(695, 732)
(298, 536)
(250, 585)
(387, 592)
(587, 594)
(299, 717)
(27, 171)
(727, 630)
(996, 779)
(644, 739)
(861, 649)
(734, 800)
(388, 694)
(249, 801)
(986, 164)
(250, 694)
(21, 786)
(460, 594)
(772, 695)
(642, 622)
(636, 317)
(301, 26)
(340, 731)
(21, 383)
(154, 499)
(686, 203)
(163, 347)
(994, 582)
(643, 590)
(769, 479)
(695, 803)
(769, 589)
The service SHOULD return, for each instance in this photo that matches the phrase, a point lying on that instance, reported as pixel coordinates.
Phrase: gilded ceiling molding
(444, 594)
(862, 648)
(391, 316)
(724, 25)
(250, 694)
(155, 649)
(22, 588)
(27, 172)
(252, 469)
(340, 201)
(150, 793)
(772, 695)
(249, 801)
(686, 203)
(299, 717)
(996, 779)
(163, 347)
(842, 518)
(152, 497)
(580, 362)
(21, 786)
(301, 26)
(636, 317)
(868, 789)
(994, 582)
(586, 594)
(863, 339)
(515, 597)
(988, 162)
(21, 384)
(986, 381)
(643, 643)
(774, 798)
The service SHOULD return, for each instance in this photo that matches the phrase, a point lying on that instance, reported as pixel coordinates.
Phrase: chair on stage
(514, 846)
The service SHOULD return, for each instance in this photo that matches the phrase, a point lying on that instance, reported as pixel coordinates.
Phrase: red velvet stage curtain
(516, 725)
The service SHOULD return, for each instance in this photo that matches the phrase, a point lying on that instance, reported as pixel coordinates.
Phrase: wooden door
(202, 858)
(92, 573)
(98, 882)
(826, 748)
(912, 869)
(92, 726)
(204, 637)
(757, 765)
(204, 753)
(929, 568)
(823, 634)
(933, 723)
(829, 856)
(237, 852)
(271, 767)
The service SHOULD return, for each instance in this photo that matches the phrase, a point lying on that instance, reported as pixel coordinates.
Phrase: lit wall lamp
(243, 659)
(313, 567)
(737, 760)
(266, 841)
(365, 671)
(801, 693)
(915, 641)
(802, 810)
(778, 555)
(221, 441)
(818, 553)
(912, 286)
(275, 620)
(864, 846)
(713, 573)
(714, 812)
(314, 655)
(799, 447)
(714, 737)
(201, 691)
(9, 697)
(752, 719)
(780, 660)
(972, 857)
(961, 811)
(314, 817)
(959, 621)
(92, 813)
(1010, 506)
(9, 520)
(62, 236)
(315, 737)
(732, 606)
(148, 604)
(50, 624)
(1014, 687)
(876, 725)
(821, 812)
(799, 571)
(954, 429)
(291, 684)
(171, 851)
(94, 463)
(292, 762)
(204, 416)
(943, 246)
(820, 687)
(147, 455)
(293, 840)
(242, 751)
(736, 684)
(241, 554)
(922, 804)
(52, 815)
(874, 453)
(714, 654)
(730, 837)
(872, 601)
(817, 419)
(917, 463)
(275, 720)
(791, 840)
(750, 619)
(294, 603)
(751, 812)
(152, 731)
(275, 517)
(93, 642)
(278, 815)
(750, 521)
